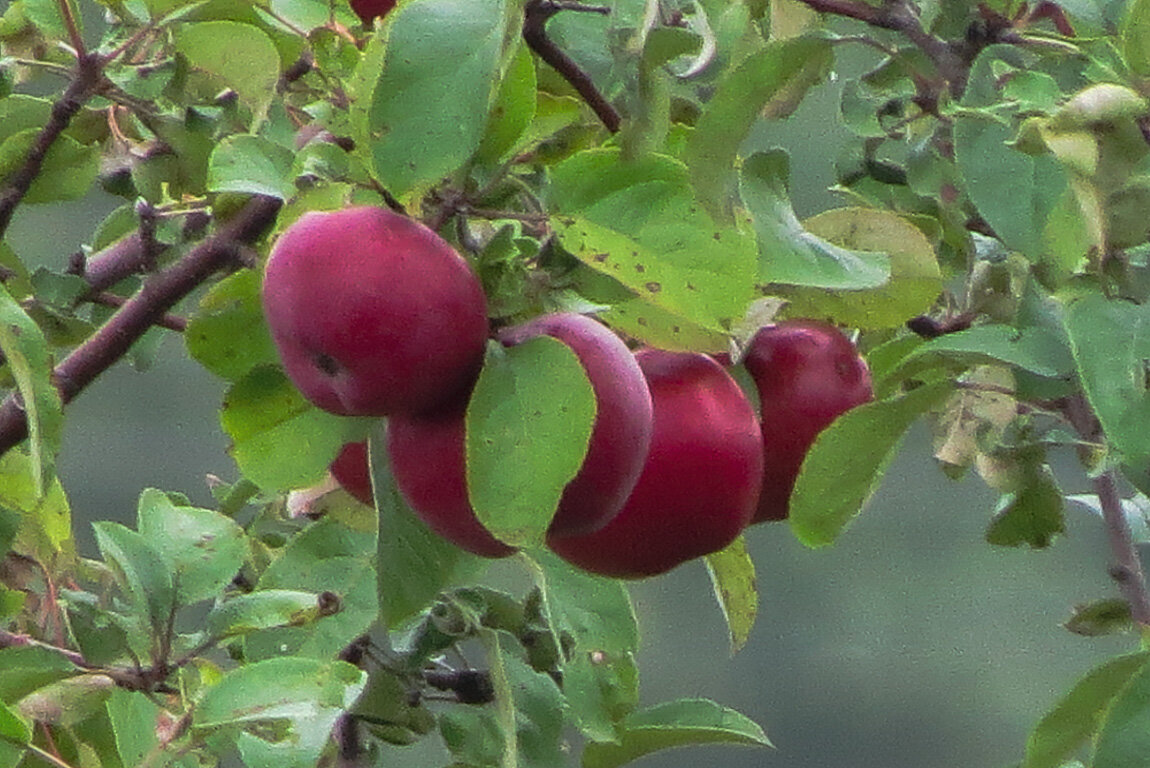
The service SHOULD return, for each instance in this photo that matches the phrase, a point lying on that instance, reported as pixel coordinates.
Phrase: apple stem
(538, 12)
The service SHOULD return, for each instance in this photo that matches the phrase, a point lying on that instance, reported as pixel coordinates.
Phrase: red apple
(807, 374)
(429, 461)
(367, 10)
(373, 314)
(699, 484)
(621, 433)
(351, 471)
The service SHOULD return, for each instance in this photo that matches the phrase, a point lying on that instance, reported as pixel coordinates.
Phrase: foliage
(992, 252)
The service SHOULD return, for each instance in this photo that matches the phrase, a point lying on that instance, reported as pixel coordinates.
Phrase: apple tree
(515, 264)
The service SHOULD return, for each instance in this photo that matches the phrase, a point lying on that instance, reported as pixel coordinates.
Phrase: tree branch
(88, 80)
(158, 294)
(538, 12)
(1127, 567)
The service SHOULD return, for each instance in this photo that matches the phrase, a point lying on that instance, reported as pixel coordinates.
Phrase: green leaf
(915, 279)
(1078, 716)
(227, 333)
(528, 425)
(263, 609)
(769, 82)
(1015, 192)
(846, 463)
(637, 222)
(790, 254)
(134, 717)
(331, 555)
(202, 548)
(14, 736)
(528, 708)
(251, 165)
(27, 668)
(733, 577)
(600, 678)
(427, 110)
(240, 55)
(676, 724)
(45, 529)
(29, 362)
(141, 571)
(304, 697)
(279, 439)
(513, 110)
(1113, 373)
(67, 702)
(1123, 738)
(1034, 349)
(1135, 37)
(1031, 514)
(413, 563)
(1102, 617)
(46, 16)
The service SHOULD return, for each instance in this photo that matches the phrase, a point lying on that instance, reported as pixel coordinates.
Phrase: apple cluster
(678, 461)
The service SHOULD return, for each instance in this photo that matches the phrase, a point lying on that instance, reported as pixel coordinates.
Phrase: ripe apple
(699, 484)
(428, 454)
(367, 10)
(373, 314)
(807, 373)
(621, 433)
(429, 461)
(350, 469)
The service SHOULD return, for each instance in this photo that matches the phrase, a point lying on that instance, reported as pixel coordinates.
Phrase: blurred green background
(910, 643)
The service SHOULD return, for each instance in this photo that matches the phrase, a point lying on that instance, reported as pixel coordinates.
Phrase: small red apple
(373, 314)
(429, 461)
(367, 10)
(699, 484)
(621, 433)
(350, 469)
(807, 373)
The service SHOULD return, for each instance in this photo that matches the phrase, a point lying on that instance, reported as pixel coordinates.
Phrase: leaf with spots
(638, 223)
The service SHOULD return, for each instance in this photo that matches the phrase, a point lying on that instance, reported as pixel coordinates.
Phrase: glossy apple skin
(699, 484)
(807, 374)
(621, 434)
(367, 10)
(350, 469)
(428, 460)
(373, 314)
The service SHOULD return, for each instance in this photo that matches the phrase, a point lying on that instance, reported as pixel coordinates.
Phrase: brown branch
(537, 13)
(1127, 567)
(158, 294)
(899, 16)
(86, 82)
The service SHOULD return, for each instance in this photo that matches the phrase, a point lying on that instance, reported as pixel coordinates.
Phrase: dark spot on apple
(326, 363)
(600, 257)
(640, 268)
(654, 287)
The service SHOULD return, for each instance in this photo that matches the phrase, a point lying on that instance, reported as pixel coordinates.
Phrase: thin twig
(538, 12)
(158, 294)
(87, 81)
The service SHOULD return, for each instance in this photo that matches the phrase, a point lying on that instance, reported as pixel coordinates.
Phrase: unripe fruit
(367, 10)
(807, 373)
(374, 314)
(428, 454)
(621, 434)
(699, 484)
